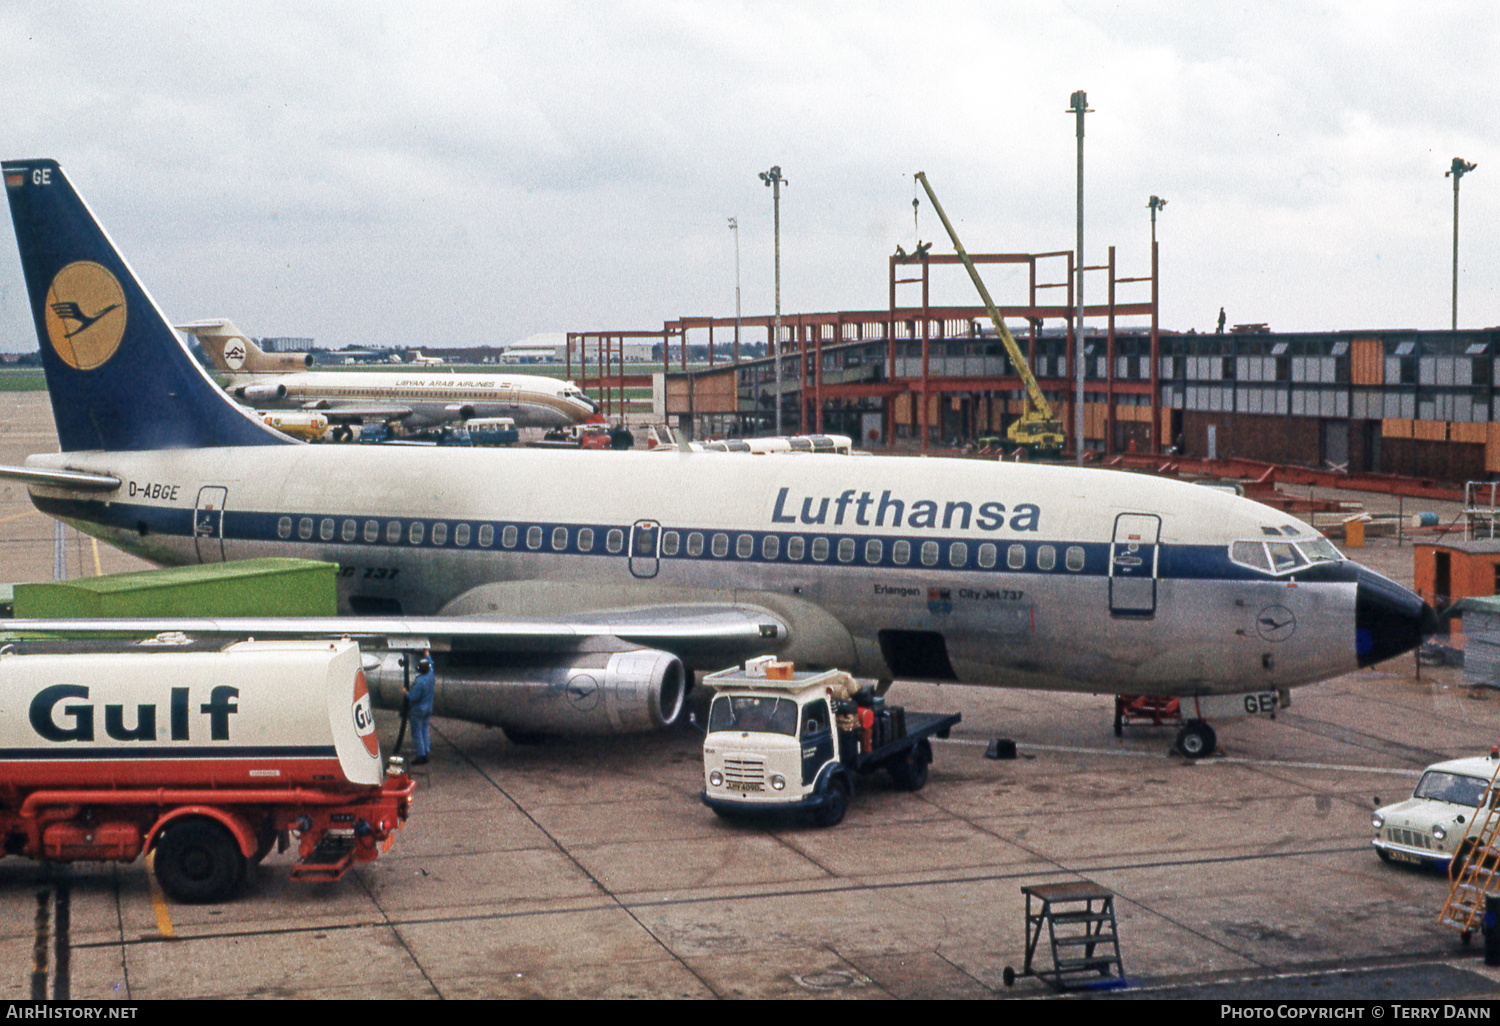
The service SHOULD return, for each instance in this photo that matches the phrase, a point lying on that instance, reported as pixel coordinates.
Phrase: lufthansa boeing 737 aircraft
(417, 400)
(575, 591)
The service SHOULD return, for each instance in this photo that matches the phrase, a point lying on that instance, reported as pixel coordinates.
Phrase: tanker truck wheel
(197, 861)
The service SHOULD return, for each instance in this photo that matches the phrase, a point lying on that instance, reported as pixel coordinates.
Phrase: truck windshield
(759, 713)
(1450, 787)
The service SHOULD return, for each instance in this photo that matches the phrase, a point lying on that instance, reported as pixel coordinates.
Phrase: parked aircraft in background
(416, 400)
(235, 353)
(839, 445)
(415, 356)
(572, 591)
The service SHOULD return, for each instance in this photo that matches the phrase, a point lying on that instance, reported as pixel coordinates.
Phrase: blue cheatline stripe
(1175, 562)
(63, 752)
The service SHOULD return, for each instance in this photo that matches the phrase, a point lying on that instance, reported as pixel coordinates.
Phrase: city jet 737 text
(577, 591)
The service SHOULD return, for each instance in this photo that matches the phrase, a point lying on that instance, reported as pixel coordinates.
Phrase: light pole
(772, 179)
(734, 226)
(1155, 203)
(1460, 168)
(1079, 106)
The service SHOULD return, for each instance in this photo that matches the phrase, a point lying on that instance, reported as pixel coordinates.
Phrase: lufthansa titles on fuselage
(864, 509)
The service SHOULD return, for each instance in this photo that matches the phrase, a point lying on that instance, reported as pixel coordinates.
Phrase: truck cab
(780, 739)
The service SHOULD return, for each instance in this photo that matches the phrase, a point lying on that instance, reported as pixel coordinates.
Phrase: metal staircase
(1081, 928)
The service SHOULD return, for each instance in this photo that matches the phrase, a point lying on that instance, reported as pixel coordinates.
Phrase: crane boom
(1037, 428)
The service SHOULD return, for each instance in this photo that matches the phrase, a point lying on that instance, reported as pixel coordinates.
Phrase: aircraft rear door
(1132, 565)
(208, 523)
(645, 535)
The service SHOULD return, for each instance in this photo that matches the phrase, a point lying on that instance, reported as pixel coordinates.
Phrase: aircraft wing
(341, 413)
(677, 627)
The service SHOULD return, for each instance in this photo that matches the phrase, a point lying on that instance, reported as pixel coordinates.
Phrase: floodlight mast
(1460, 168)
(1078, 106)
(1037, 428)
(772, 179)
(1155, 203)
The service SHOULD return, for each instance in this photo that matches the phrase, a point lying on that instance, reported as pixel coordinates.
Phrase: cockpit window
(1289, 530)
(1283, 557)
(1251, 554)
(1319, 550)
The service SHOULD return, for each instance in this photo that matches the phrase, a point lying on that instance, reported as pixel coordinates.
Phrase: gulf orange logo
(364, 715)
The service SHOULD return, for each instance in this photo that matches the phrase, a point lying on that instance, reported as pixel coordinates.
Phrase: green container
(251, 587)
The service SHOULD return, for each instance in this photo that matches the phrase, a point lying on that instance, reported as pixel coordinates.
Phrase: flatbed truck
(779, 739)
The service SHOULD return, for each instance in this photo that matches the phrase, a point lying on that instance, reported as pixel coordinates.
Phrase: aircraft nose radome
(1388, 619)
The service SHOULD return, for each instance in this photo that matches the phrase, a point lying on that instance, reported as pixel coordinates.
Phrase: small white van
(1447, 808)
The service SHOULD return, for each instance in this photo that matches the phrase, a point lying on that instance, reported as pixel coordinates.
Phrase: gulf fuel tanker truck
(210, 759)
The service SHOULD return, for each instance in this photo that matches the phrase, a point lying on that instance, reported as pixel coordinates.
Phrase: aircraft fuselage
(432, 399)
(981, 572)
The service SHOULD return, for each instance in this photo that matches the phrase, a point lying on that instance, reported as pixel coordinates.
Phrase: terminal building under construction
(1409, 402)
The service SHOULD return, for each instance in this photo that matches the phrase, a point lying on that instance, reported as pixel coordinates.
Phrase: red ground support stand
(1153, 709)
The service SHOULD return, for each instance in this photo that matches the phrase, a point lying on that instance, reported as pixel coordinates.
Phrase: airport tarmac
(589, 869)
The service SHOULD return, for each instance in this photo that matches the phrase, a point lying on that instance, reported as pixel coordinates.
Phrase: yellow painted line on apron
(98, 571)
(18, 516)
(158, 900)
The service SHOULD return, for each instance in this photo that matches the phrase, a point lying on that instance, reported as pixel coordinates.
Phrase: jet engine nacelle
(261, 393)
(625, 692)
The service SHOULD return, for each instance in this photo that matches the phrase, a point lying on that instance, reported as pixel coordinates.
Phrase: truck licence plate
(740, 785)
(1401, 856)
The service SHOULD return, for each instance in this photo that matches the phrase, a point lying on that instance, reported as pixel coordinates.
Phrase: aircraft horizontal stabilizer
(62, 478)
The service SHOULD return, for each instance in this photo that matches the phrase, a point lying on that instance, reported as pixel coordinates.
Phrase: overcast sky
(457, 174)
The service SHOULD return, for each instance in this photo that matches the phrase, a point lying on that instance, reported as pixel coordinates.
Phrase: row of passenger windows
(673, 543)
(846, 550)
(416, 532)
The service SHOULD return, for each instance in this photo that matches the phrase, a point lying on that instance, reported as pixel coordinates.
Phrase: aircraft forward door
(644, 537)
(208, 523)
(1132, 565)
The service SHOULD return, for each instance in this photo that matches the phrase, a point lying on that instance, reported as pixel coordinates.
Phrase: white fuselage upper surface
(433, 398)
(982, 572)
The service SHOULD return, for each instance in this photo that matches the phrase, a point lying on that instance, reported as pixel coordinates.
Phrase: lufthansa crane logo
(1276, 623)
(85, 315)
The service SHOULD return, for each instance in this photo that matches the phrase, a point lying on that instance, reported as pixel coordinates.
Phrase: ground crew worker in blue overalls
(420, 695)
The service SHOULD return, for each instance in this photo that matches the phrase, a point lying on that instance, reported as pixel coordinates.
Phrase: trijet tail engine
(260, 393)
(615, 692)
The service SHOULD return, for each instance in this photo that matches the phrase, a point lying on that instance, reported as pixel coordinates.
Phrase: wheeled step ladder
(1080, 921)
(1475, 870)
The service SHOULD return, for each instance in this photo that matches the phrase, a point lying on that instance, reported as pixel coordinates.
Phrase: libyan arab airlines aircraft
(280, 381)
(573, 591)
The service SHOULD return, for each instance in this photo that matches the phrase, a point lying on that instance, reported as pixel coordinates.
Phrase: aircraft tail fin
(232, 351)
(119, 377)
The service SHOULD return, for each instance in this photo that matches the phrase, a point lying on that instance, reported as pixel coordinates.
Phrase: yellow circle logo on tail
(85, 315)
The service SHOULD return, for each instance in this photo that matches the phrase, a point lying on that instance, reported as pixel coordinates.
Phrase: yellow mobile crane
(1038, 429)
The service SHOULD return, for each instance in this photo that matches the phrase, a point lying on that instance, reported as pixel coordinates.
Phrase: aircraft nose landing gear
(1196, 739)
